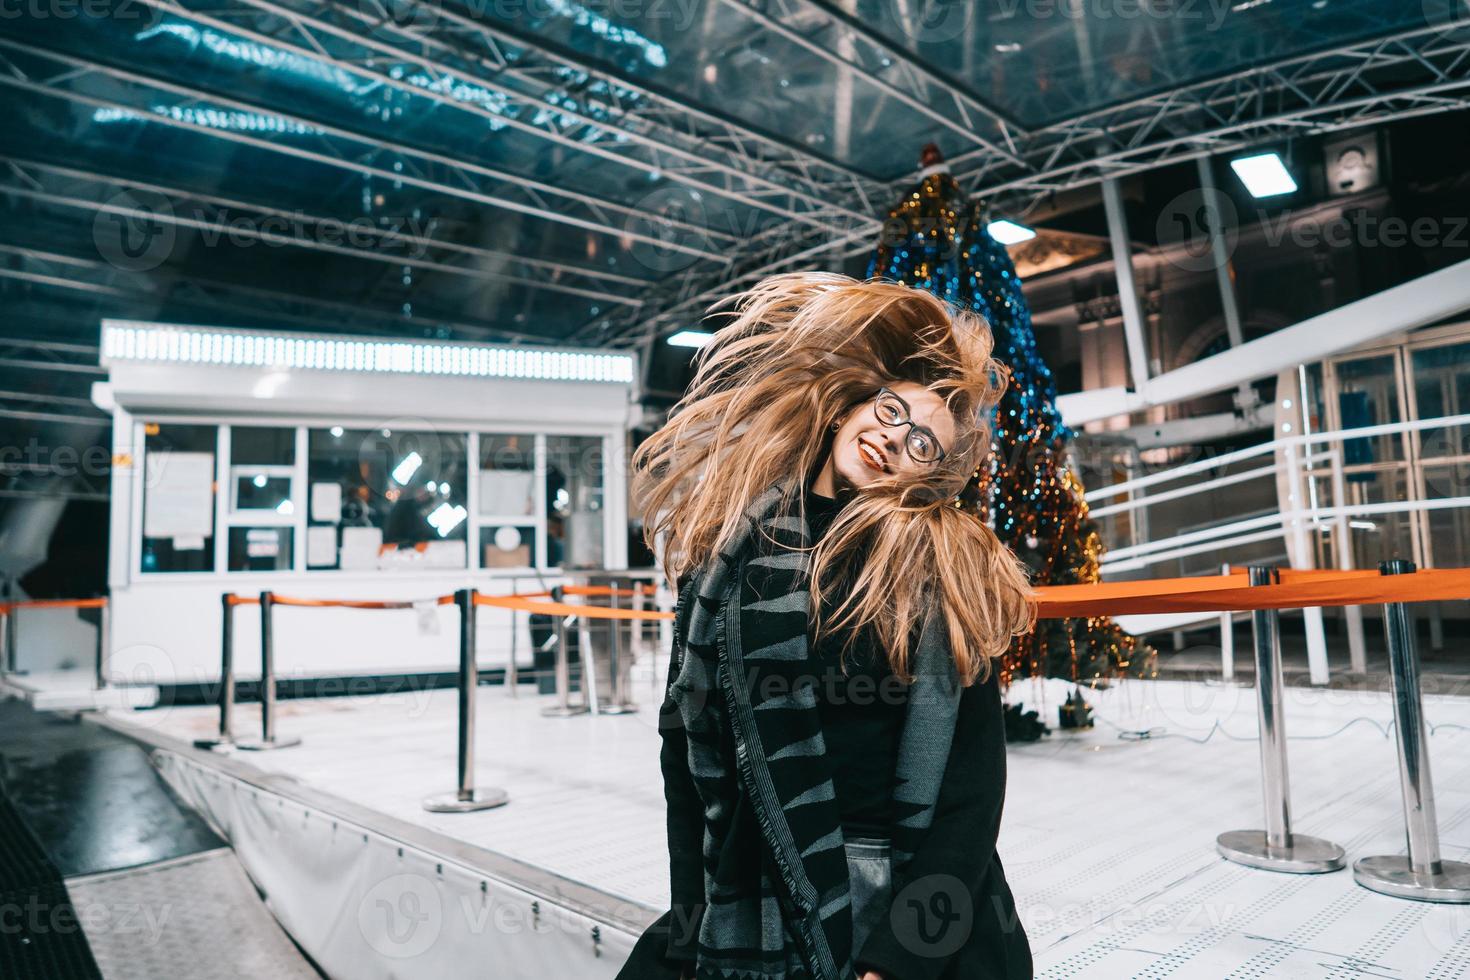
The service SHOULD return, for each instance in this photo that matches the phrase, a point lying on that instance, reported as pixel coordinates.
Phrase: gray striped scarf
(776, 888)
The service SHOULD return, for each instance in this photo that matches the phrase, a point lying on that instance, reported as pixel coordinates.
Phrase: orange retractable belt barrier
(600, 590)
(566, 608)
(97, 603)
(242, 600)
(281, 600)
(1225, 593)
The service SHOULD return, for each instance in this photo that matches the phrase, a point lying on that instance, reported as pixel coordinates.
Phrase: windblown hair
(801, 350)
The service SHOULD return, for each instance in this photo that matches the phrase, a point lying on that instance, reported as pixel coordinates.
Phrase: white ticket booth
(348, 468)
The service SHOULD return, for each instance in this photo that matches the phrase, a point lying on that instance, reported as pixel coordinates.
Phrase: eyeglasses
(921, 444)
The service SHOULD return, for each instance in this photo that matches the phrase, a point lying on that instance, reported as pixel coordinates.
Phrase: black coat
(953, 916)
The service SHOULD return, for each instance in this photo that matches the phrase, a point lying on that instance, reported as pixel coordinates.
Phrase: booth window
(261, 466)
(178, 497)
(262, 503)
(260, 549)
(507, 501)
(575, 519)
(386, 498)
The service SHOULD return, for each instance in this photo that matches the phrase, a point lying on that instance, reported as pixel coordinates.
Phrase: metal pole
(12, 631)
(7, 664)
(512, 675)
(563, 708)
(1421, 875)
(1343, 544)
(226, 677)
(466, 798)
(587, 660)
(618, 703)
(1227, 638)
(1132, 310)
(104, 631)
(1306, 558)
(268, 739)
(1276, 848)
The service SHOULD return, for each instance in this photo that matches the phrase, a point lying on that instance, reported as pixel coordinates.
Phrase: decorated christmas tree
(936, 239)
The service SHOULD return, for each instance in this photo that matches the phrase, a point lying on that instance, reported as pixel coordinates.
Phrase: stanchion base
(559, 712)
(1304, 855)
(617, 709)
(481, 799)
(261, 745)
(214, 743)
(1392, 875)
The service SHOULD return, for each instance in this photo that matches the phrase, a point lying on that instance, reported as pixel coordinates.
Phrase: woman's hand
(873, 975)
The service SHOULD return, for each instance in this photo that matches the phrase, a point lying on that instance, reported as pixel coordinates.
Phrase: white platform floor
(1108, 842)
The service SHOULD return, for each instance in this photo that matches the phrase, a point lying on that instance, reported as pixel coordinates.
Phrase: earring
(836, 424)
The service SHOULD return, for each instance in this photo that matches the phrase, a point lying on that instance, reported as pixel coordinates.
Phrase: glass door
(1367, 390)
(1441, 388)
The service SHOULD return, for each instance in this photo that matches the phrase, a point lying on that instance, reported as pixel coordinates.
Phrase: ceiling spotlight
(1264, 175)
(690, 338)
(1009, 232)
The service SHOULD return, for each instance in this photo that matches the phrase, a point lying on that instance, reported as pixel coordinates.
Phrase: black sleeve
(685, 818)
(959, 845)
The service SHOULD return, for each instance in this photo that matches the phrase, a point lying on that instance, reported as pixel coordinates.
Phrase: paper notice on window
(263, 542)
(179, 495)
(321, 547)
(326, 502)
(507, 492)
(360, 546)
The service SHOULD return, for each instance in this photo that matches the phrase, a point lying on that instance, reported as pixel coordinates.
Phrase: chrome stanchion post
(1276, 848)
(617, 691)
(466, 798)
(1421, 875)
(104, 640)
(12, 646)
(268, 739)
(563, 707)
(226, 734)
(512, 675)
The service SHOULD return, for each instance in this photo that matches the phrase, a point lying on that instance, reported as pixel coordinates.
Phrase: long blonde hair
(801, 350)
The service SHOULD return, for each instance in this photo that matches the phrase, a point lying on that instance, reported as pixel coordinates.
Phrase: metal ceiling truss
(70, 77)
(160, 288)
(1362, 84)
(347, 40)
(683, 298)
(823, 205)
(1367, 83)
(847, 44)
(232, 219)
(569, 81)
(44, 355)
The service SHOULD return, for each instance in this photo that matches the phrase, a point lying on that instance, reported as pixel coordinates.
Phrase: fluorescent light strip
(191, 346)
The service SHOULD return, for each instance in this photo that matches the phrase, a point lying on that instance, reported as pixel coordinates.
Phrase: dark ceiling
(593, 172)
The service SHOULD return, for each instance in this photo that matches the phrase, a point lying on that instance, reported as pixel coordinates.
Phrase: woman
(828, 823)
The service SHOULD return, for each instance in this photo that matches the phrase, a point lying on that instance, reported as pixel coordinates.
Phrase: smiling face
(864, 449)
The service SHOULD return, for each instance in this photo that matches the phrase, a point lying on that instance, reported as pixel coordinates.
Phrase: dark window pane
(393, 497)
(260, 549)
(178, 497)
